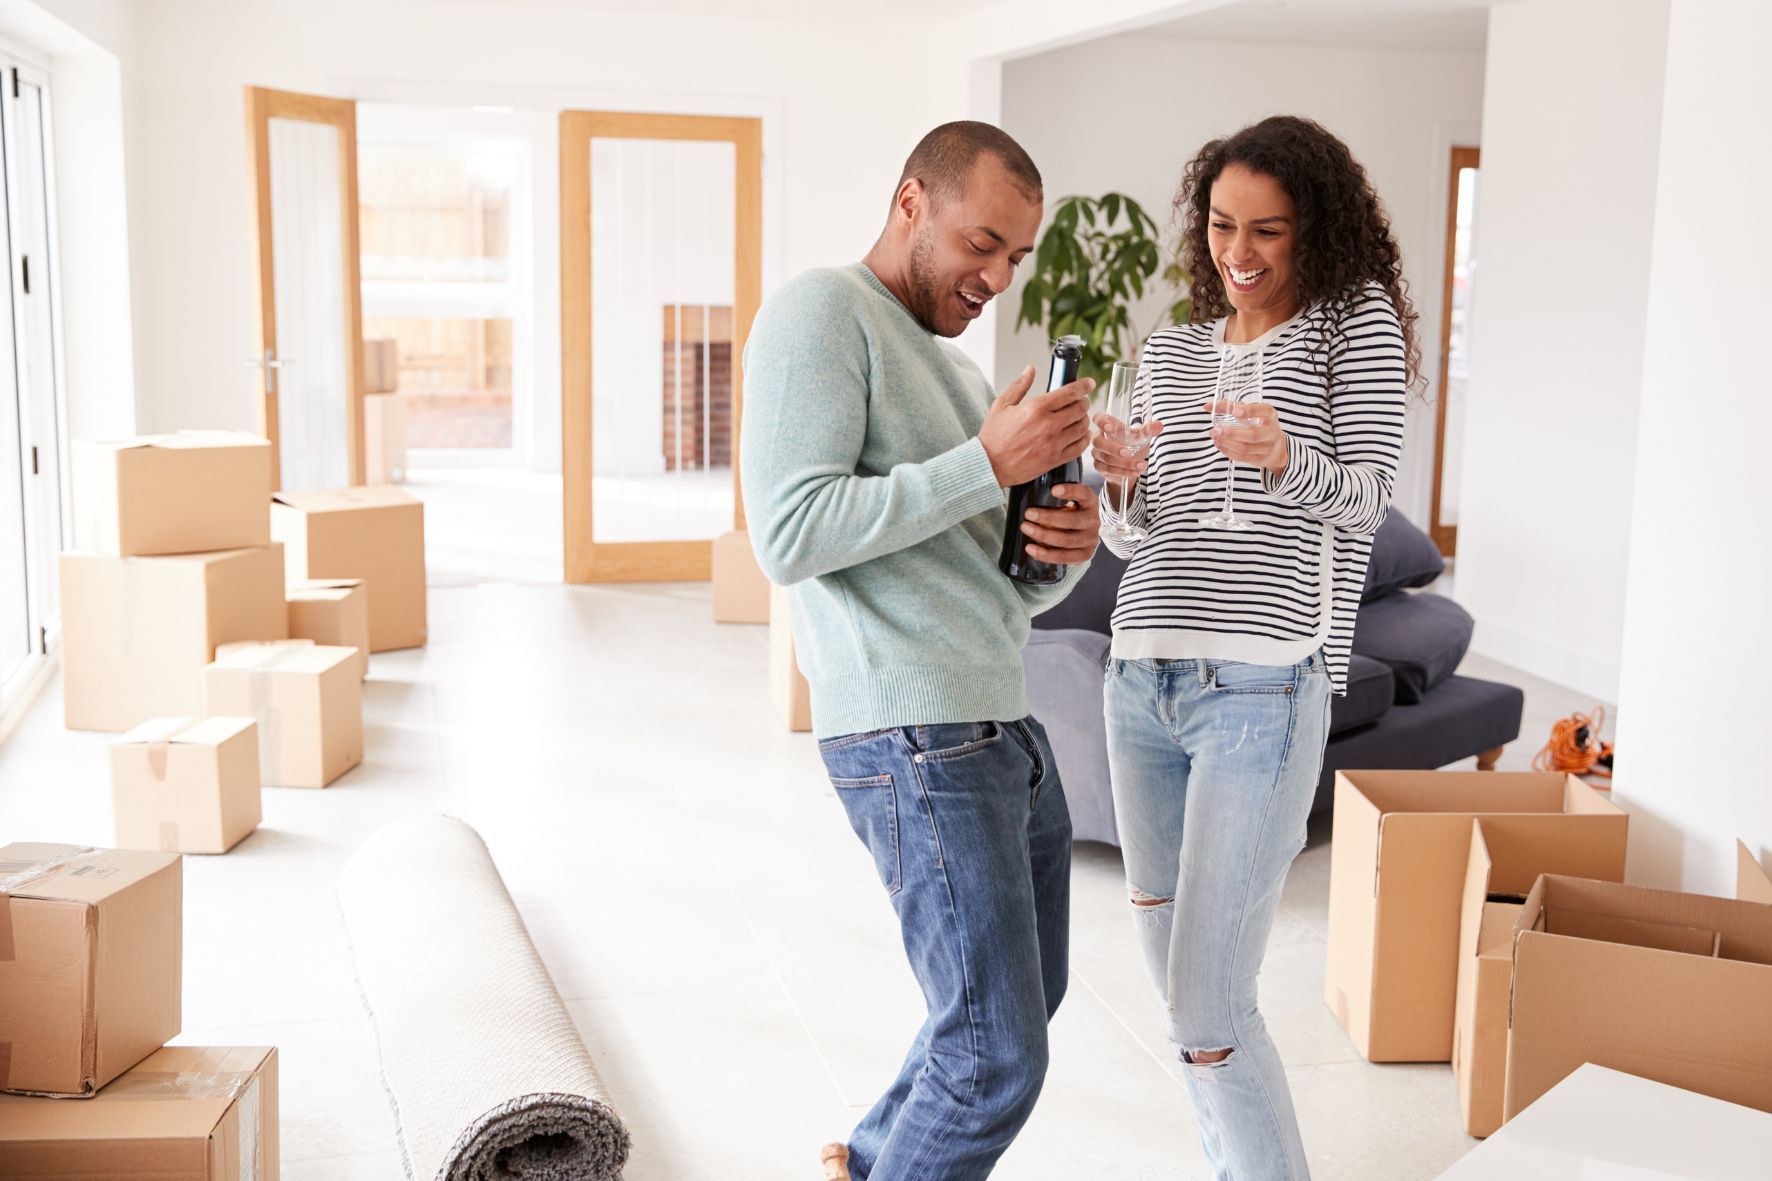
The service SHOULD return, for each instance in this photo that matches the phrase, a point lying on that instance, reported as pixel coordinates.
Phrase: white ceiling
(1353, 24)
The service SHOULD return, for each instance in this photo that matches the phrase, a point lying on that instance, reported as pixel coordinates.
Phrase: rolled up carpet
(486, 1073)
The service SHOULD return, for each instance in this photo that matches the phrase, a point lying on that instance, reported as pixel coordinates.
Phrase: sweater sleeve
(806, 391)
(1351, 488)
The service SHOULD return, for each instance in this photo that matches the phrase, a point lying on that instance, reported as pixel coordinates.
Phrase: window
(442, 255)
(33, 432)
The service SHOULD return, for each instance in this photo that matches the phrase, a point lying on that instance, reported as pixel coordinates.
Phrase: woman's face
(1250, 232)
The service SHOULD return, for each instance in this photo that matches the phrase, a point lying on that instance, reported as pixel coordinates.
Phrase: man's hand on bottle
(1064, 536)
(1027, 438)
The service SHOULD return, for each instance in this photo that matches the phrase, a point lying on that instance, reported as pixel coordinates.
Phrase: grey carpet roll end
(485, 1071)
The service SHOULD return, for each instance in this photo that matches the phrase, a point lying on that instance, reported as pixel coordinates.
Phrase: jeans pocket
(872, 807)
(940, 743)
(1253, 678)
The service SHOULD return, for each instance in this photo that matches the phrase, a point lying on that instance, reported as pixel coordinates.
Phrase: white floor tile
(691, 880)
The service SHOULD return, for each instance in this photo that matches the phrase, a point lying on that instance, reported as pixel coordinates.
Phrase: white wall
(1559, 306)
(843, 130)
(1696, 626)
(1400, 112)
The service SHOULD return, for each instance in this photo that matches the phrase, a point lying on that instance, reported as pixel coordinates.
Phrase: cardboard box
(741, 593)
(1752, 883)
(172, 494)
(376, 534)
(1486, 967)
(90, 956)
(332, 612)
(307, 700)
(384, 438)
(138, 632)
(381, 366)
(1401, 846)
(788, 690)
(186, 785)
(1671, 987)
(187, 1113)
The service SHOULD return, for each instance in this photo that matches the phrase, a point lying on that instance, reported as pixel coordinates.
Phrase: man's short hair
(943, 160)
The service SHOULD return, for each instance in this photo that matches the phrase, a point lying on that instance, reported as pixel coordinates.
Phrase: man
(875, 461)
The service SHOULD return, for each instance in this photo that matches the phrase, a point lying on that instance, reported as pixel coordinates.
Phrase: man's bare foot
(836, 1162)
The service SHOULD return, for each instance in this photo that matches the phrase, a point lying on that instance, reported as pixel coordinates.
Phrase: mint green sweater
(867, 492)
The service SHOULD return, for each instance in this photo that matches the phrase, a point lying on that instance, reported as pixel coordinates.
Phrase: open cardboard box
(1666, 986)
(1397, 881)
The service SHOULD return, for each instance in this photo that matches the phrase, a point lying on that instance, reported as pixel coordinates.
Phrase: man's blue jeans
(968, 828)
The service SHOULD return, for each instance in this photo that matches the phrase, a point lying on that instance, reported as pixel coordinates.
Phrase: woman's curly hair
(1343, 237)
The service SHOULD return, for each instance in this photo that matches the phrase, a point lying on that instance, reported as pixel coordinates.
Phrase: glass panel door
(660, 277)
(308, 252)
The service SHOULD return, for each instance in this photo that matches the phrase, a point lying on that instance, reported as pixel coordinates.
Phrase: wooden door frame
(1446, 536)
(642, 561)
(263, 105)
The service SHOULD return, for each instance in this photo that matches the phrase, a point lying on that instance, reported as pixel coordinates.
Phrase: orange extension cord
(1575, 747)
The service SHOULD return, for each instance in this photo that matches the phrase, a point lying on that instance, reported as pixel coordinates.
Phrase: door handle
(270, 363)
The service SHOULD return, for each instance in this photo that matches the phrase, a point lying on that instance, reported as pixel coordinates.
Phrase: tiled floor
(686, 872)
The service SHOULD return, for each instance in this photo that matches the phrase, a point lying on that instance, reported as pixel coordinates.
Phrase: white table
(1601, 1125)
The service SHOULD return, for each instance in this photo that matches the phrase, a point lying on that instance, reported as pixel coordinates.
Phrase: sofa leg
(1487, 760)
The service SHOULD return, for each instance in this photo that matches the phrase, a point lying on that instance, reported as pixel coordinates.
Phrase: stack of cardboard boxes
(177, 627)
(91, 973)
(1480, 919)
(174, 557)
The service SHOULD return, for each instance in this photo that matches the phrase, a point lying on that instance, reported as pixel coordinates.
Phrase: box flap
(212, 731)
(178, 1092)
(1632, 932)
(318, 594)
(1745, 927)
(1461, 791)
(73, 874)
(1476, 893)
(157, 730)
(291, 656)
(346, 499)
(326, 584)
(1752, 883)
(183, 439)
(251, 653)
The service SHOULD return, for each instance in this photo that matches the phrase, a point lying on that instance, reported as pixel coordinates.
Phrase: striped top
(1291, 584)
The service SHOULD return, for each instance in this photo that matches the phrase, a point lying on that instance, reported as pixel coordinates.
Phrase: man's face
(964, 252)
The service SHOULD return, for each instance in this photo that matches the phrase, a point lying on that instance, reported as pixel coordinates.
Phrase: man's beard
(925, 287)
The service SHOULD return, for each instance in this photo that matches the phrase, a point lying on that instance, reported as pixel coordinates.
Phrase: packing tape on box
(157, 751)
(181, 1084)
(169, 834)
(20, 877)
(270, 724)
(248, 1110)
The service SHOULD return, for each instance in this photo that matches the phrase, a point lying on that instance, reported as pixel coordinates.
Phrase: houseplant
(1097, 258)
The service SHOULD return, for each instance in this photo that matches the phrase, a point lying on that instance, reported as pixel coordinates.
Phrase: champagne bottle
(1067, 356)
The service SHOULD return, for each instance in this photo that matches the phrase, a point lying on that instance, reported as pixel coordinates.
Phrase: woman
(1228, 644)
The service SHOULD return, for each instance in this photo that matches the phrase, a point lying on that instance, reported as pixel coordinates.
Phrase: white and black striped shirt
(1291, 584)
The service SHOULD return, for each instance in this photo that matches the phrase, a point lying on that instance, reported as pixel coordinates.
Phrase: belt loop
(1205, 674)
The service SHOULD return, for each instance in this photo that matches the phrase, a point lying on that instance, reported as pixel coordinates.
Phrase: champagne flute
(1127, 396)
(1239, 381)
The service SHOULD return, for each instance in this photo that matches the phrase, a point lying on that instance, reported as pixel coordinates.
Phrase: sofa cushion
(1371, 688)
(1422, 637)
(1090, 606)
(1402, 557)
